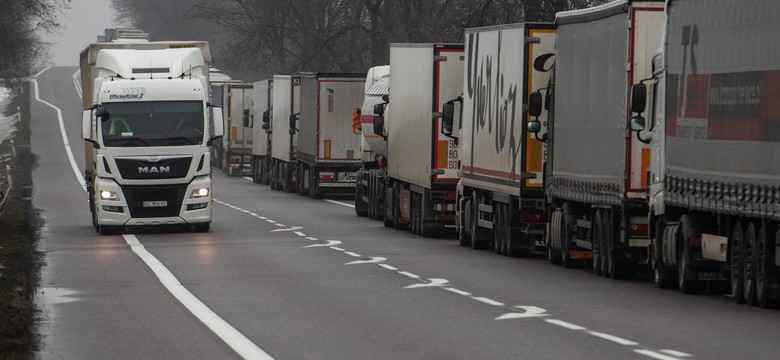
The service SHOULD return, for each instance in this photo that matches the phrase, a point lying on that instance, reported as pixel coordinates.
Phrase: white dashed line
(457, 291)
(300, 234)
(613, 338)
(488, 301)
(675, 353)
(352, 254)
(389, 267)
(654, 355)
(340, 203)
(337, 248)
(311, 238)
(406, 273)
(247, 178)
(564, 324)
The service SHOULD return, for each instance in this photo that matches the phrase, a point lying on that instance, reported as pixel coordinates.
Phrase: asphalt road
(290, 277)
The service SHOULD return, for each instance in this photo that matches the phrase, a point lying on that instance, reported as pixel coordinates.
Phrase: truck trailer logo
(154, 169)
(132, 93)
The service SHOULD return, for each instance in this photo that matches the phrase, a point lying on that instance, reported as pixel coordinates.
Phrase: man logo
(154, 169)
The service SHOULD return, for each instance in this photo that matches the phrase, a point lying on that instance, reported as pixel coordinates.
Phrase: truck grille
(163, 167)
(172, 194)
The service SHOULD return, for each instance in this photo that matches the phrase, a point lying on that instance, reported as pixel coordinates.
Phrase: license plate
(349, 176)
(155, 203)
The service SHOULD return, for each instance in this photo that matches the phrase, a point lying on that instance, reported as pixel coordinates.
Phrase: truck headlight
(108, 195)
(199, 193)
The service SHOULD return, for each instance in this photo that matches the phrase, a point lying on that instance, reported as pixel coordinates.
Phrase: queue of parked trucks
(636, 134)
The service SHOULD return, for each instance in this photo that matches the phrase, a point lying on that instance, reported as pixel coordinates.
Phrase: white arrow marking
(433, 283)
(373, 260)
(329, 243)
(294, 228)
(528, 312)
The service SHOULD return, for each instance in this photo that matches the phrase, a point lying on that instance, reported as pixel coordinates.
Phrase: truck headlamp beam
(108, 195)
(199, 193)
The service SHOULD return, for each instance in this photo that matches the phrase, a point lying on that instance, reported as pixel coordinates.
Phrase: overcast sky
(81, 24)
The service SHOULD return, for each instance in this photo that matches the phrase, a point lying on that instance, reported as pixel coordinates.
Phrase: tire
(566, 260)
(477, 235)
(314, 188)
(750, 265)
(766, 274)
(464, 237)
(662, 275)
(597, 235)
(397, 208)
(683, 267)
(509, 245)
(553, 254)
(273, 176)
(736, 263)
(389, 221)
(498, 229)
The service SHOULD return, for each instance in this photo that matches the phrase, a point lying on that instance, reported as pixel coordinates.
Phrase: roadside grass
(20, 260)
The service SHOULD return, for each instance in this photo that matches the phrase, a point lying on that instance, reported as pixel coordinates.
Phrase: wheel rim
(748, 270)
(735, 268)
(761, 268)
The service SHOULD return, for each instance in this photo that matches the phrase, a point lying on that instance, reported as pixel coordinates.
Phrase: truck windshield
(153, 123)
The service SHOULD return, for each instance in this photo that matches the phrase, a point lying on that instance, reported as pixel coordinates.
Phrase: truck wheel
(663, 276)
(686, 285)
(273, 176)
(566, 260)
(477, 234)
(749, 269)
(736, 263)
(498, 229)
(551, 234)
(361, 208)
(766, 274)
(314, 187)
(464, 237)
(397, 208)
(596, 240)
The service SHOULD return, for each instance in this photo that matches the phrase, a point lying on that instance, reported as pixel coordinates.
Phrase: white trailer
(262, 110)
(501, 191)
(236, 99)
(421, 162)
(284, 134)
(597, 172)
(148, 129)
(714, 199)
(328, 153)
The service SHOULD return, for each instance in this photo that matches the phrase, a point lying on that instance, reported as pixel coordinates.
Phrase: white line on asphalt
(311, 238)
(350, 253)
(337, 248)
(232, 337)
(564, 324)
(248, 178)
(675, 353)
(406, 273)
(65, 141)
(389, 267)
(488, 301)
(299, 233)
(340, 203)
(458, 291)
(654, 354)
(613, 338)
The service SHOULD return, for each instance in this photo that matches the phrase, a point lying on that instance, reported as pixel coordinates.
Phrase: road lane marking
(434, 283)
(654, 354)
(564, 324)
(65, 142)
(527, 311)
(328, 243)
(232, 337)
(339, 203)
(675, 353)
(613, 338)
(247, 177)
(299, 233)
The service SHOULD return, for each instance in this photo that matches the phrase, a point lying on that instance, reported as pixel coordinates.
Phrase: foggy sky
(81, 24)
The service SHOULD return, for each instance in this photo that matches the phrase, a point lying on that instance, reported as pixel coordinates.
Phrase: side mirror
(86, 125)
(379, 125)
(447, 118)
(637, 123)
(638, 98)
(535, 104)
(534, 126)
(246, 118)
(217, 120)
(379, 109)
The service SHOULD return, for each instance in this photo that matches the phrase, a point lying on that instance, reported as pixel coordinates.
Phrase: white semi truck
(713, 110)
(501, 189)
(148, 127)
(596, 170)
(284, 136)
(328, 153)
(369, 179)
(262, 110)
(421, 162)
(235, 149)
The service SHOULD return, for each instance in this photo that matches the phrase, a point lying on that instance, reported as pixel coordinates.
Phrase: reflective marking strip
(613, 338)
(488, 301)
(562, 323)
(234, 339)
(352, 254)
(654, 354)
(406, 273)
(457, 291)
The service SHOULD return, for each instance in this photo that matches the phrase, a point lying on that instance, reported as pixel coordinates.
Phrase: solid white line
(562, 323)
(232, 337)
(350, 253)
(613, 338)
(65, 141)
(488, 301)
(337, 248)
(339, 203)
(654, 354)
(458, 291)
